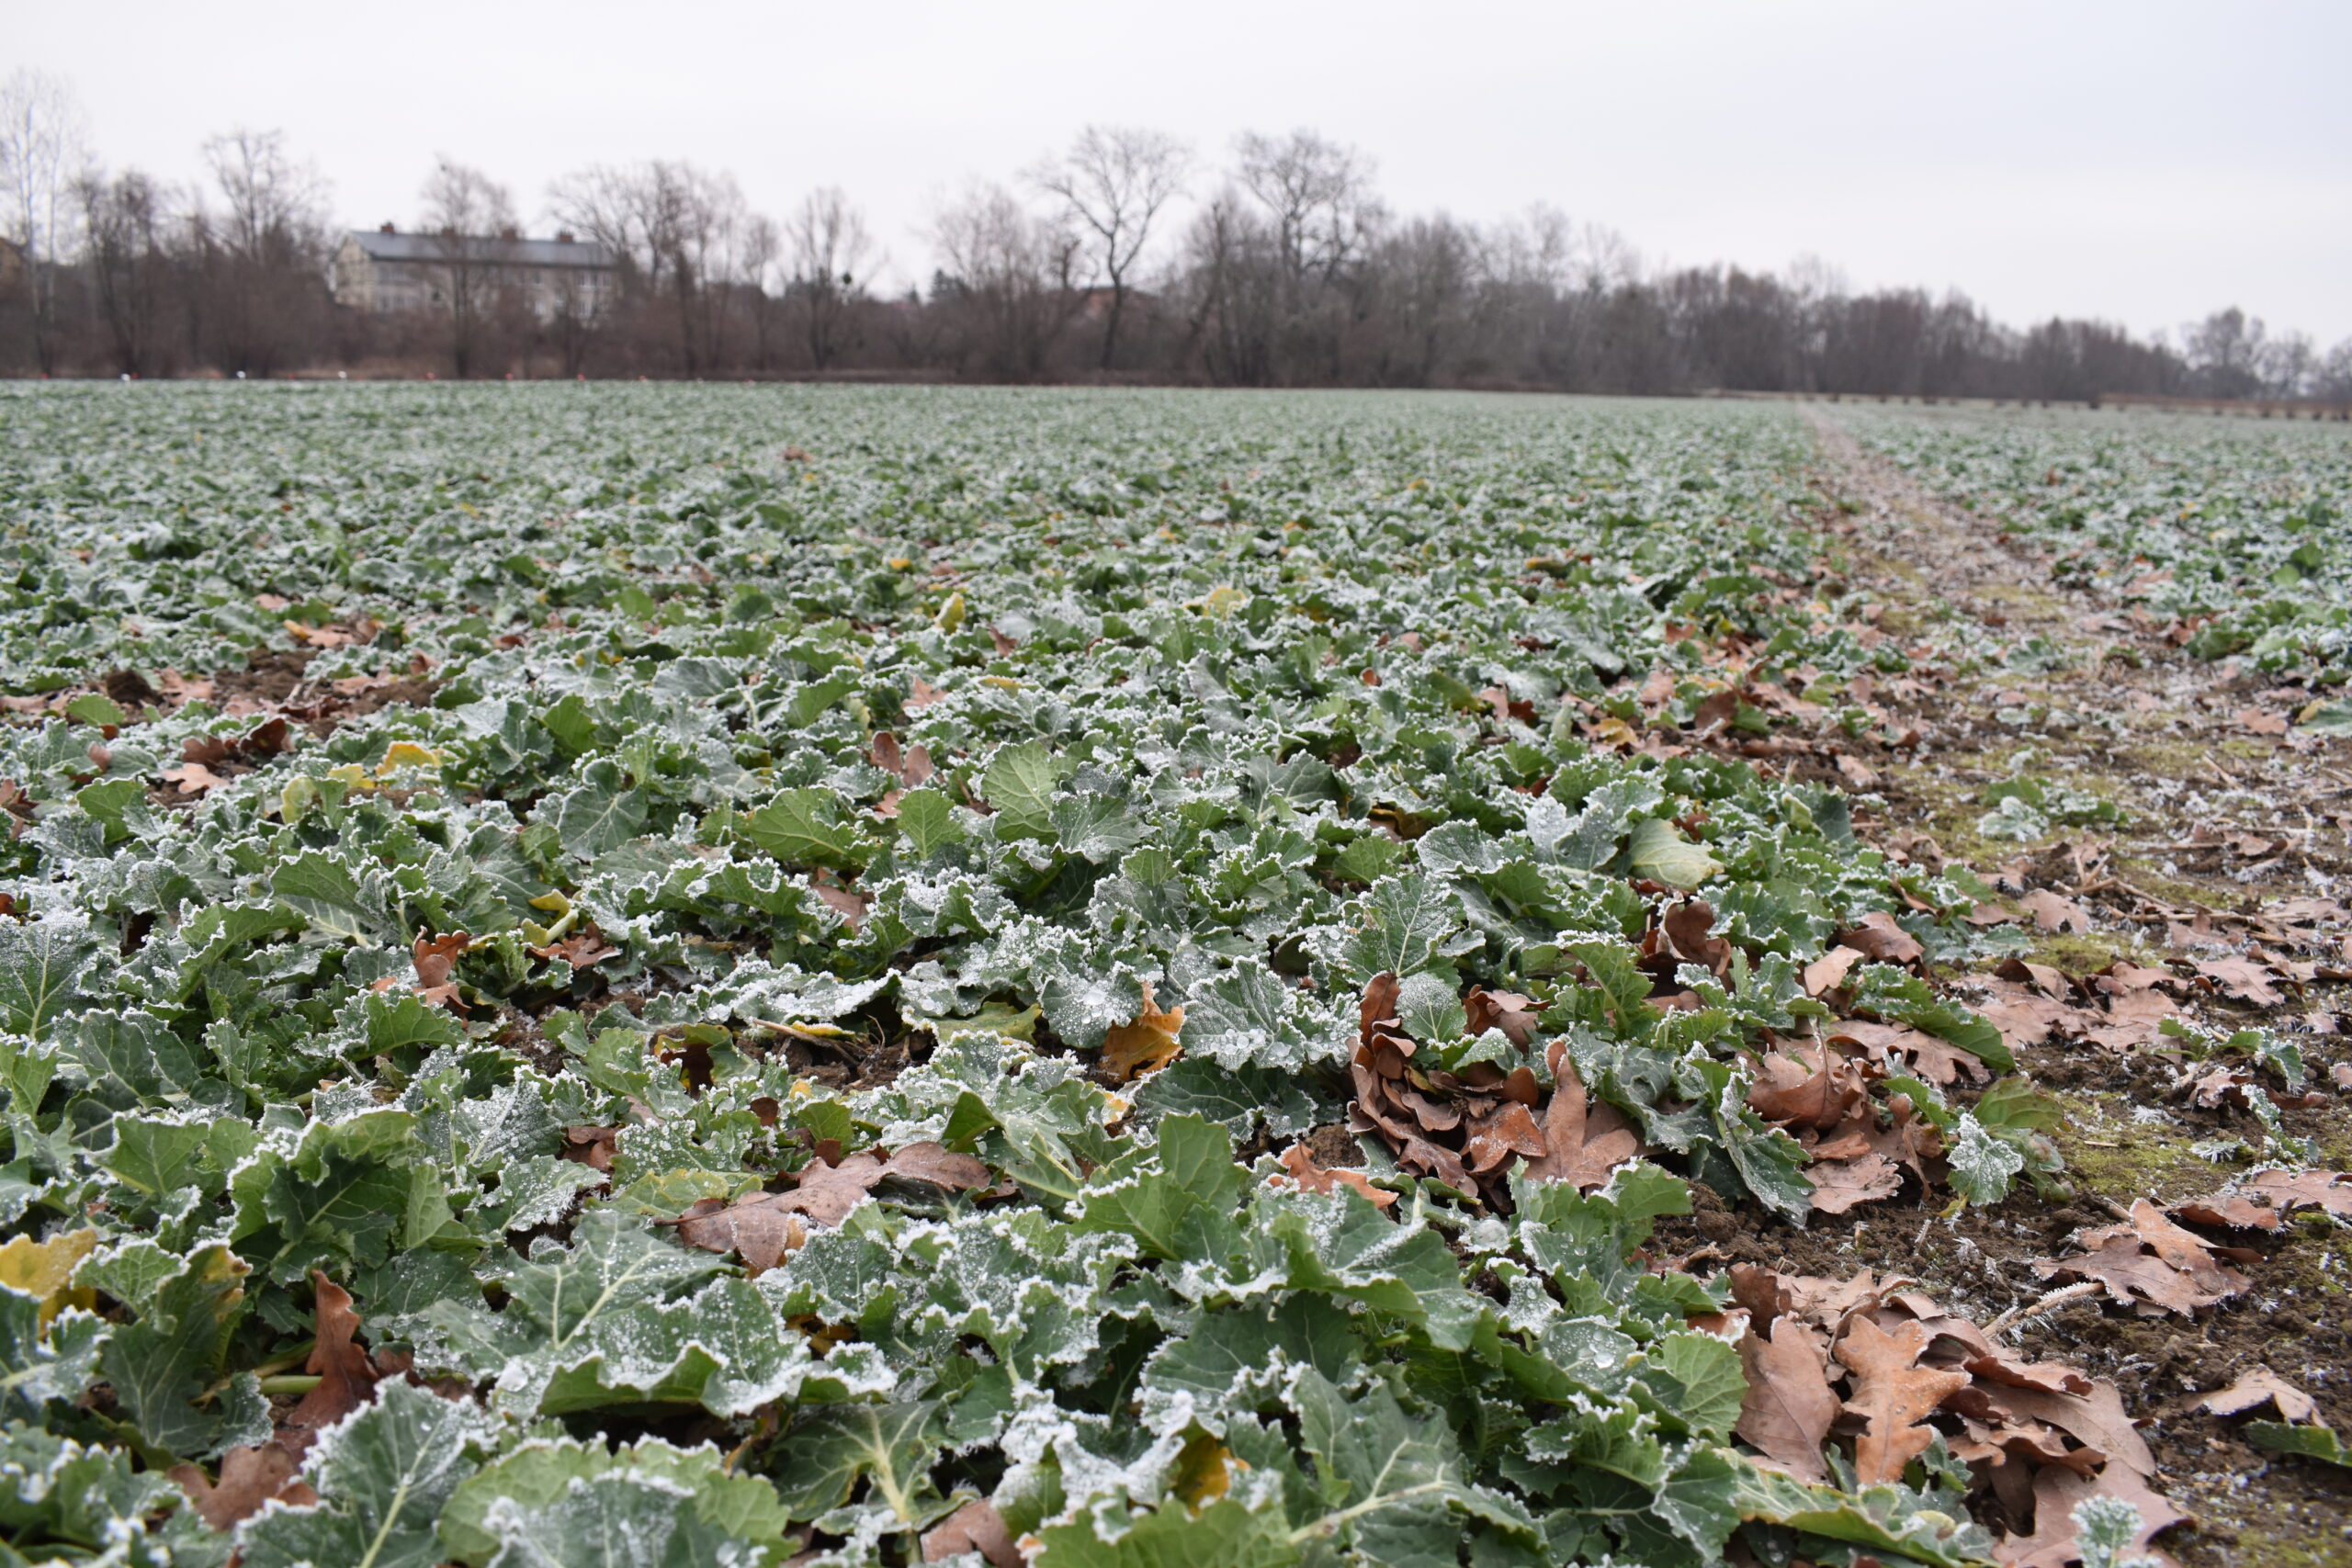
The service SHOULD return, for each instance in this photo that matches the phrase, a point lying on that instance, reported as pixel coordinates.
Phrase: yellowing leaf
(1222, 600)
(1659, 853)
(1202, 1472)
(406, 754)
(44, 1270)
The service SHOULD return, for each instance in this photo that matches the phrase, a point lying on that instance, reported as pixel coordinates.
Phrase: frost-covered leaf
(383, 1476)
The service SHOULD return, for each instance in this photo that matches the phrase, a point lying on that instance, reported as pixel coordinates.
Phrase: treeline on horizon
(1122, 258)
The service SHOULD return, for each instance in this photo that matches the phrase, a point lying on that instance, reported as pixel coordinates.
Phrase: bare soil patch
(2220, 865)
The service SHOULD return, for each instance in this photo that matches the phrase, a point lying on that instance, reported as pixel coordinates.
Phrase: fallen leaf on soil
(849, 906)
(2256, 1386)
(2025, 1016)
(590, 1147)
(1894, 1394)
(2233, 1210)
(1827, 971)
(1789, 1407)
(436, 959)
(1898, 1047)
(1839, 1185)
(195, 778)
(1460, 1128)
(2097, 1419)
(1299, 1161)
(1689, 926)
(1145, 1046)
(2150, 1264)
(2131, 1019)
(2125, 976)
(1815, 1090)
(1582, 1144)
(975, 1527)
(1508, 1010)
(1499, 1132)
(249, 1478)
(1876, 935)
(2241, 978)
(2058, 1490)
(763, 1227)
(2053, 913)
(2254, 721)
(2049, 1377)
(2328, 1190)
(580, 949)
(346, 1377)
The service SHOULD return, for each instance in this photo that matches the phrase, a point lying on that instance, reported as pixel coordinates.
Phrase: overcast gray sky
(2142, 162)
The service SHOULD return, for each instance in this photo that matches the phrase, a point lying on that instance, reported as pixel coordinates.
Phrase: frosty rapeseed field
(677, 975)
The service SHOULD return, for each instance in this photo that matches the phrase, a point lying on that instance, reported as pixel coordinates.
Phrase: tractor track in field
(2222, 816)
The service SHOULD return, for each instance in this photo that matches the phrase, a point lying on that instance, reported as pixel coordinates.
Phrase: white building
(386, 271)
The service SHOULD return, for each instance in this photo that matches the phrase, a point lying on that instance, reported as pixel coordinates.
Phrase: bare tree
(1318, 195)
(2288, 364)
(1230, 278)
(126, 247)
(755, 257)
(1009, 273)
(2334, 380)
(2225, 353)
(1114, 182)
(468, 218)
(602, 202)
(263, 268)
(40, 153)
(275, 205)
(1317, 198)
(831, 255)
(677, 228)
(1426, 273)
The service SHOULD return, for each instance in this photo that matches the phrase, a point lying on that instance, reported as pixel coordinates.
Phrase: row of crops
(698, 976)
(2236, 535)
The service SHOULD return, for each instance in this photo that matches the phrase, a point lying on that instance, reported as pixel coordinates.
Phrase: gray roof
(380, 247)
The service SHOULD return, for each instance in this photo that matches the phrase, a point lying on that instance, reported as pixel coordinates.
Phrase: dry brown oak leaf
(249, 1478)
(2059, 1490)
(1827, 971)
(2258, 1385)
(1689, 926)
(1898, 1047)
(1299, 1162)
(765, 1226)
(1789, 1406)
(1894, 1394)
(2052, 912)
(346, 1377)
(975, 1527)
(1876, 935)
(1145, 1046)
(1582, 1144)
(2152, 1265)
(2243, 979)
(194, 778)
(1802, 1088)
(1505, 1010)
(436, 959)
(2328, 1189)
(1840, 1185)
